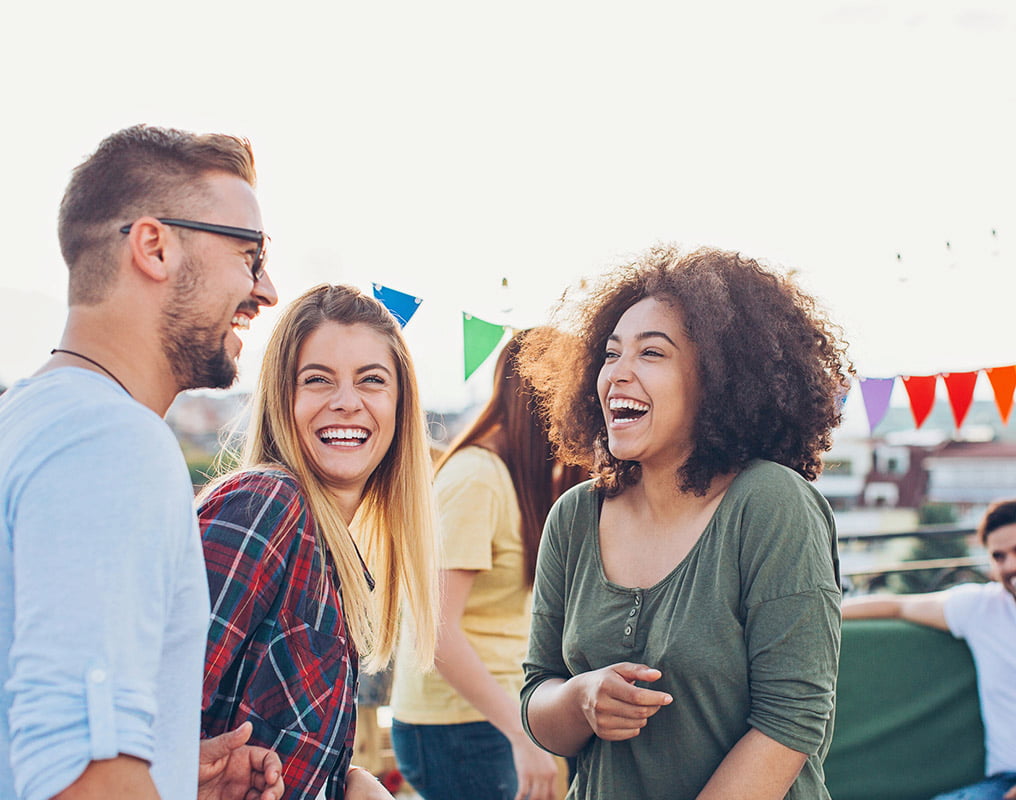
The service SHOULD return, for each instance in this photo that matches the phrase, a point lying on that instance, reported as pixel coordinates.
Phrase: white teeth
(241, 321)
(624, 402)
(344, 433)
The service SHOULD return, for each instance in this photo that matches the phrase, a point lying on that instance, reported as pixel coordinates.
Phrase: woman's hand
(361, 785)
(615, 708)
(536, 770)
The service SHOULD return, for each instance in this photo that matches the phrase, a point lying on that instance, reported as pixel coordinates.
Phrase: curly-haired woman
(686, 606)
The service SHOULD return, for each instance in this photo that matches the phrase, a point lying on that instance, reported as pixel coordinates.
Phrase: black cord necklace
(91, 361)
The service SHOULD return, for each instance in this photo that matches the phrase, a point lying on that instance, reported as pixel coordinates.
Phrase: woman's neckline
(680, 565)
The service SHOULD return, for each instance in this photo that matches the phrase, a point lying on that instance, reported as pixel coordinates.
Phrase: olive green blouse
(745, 631)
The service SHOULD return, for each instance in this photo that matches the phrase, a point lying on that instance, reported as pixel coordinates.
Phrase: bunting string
(481, 338)
(921, 391)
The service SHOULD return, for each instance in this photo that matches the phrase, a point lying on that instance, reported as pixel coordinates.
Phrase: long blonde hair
(394, 522)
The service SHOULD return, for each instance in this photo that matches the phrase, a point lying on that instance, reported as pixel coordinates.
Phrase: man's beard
(195, 349)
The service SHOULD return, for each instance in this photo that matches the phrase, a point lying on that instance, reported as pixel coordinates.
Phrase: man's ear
(151, 247)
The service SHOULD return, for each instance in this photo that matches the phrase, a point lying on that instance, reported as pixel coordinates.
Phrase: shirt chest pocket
(301, 667)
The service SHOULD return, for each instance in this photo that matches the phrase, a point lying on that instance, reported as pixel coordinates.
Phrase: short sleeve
(960, 606)
(471, 506)
(96, 558)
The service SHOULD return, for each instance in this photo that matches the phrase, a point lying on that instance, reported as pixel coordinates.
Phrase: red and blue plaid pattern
(278, 654)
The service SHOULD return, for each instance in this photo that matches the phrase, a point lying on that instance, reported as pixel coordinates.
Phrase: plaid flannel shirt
(278, 654)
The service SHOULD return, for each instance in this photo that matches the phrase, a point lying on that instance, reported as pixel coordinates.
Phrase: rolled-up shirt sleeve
(792, 614)
(94, 566)
(793, 646)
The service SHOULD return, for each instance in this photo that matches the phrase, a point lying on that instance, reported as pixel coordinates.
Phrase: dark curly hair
(773, 369)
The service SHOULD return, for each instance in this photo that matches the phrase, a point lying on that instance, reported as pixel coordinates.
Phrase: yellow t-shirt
(480, 529)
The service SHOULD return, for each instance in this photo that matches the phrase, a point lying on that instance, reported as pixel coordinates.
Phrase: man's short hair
(139, 171)
(997, 516)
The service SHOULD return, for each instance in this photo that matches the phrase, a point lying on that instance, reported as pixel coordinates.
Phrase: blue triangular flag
(401, 305)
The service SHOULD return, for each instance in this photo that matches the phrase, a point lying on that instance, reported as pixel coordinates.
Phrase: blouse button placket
(632, 620)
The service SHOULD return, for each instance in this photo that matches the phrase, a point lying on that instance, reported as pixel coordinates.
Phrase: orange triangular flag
(921, 391)
(960, 386)
(1003, 382)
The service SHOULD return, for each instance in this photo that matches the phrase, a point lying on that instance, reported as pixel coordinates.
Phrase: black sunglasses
(257, 267)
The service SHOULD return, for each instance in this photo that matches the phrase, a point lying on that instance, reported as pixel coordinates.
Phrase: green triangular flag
(479, 338)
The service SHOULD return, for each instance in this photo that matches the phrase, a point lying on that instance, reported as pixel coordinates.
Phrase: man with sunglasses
(103, 592)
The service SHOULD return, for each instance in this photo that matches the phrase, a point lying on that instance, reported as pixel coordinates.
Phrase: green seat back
(908, 722)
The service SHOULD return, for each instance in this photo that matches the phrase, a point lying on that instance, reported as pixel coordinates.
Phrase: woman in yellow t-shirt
(457, 731)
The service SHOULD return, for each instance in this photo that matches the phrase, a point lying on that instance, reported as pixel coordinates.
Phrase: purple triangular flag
(876, 393)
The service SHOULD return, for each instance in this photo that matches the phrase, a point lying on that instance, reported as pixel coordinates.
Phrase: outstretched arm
(923, 609)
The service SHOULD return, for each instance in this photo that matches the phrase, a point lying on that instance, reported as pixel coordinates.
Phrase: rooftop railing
(943, 571)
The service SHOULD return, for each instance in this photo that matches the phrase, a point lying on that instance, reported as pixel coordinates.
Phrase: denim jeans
(992, 788)
(453, 762)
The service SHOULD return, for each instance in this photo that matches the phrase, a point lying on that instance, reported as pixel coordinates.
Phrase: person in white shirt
(984, 615)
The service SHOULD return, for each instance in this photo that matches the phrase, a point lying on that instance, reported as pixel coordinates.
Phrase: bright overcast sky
(437, 147)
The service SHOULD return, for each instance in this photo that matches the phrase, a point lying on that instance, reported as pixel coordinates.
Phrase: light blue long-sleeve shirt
(103, 594)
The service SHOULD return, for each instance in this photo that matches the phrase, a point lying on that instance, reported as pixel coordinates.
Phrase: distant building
(843, 475)
(901, 469)
(897, 477)
(970, 475)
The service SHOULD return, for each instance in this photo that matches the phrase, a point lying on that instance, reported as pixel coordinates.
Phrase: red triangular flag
(960, 386)
(921, 391)
(1003, 382)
